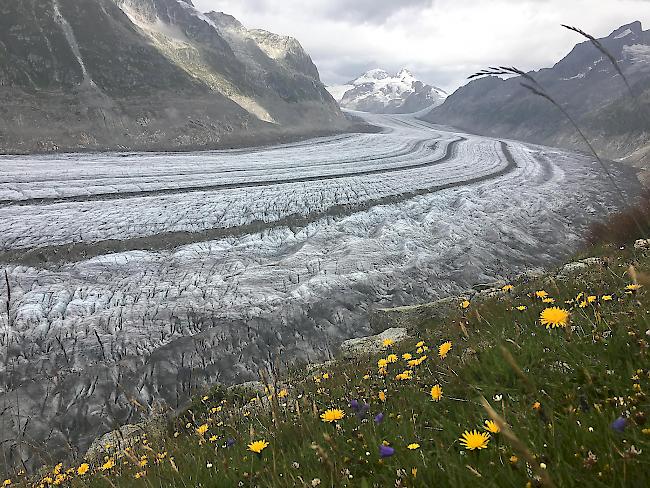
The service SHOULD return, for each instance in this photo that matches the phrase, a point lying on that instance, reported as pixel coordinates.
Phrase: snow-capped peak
(371, 76)
(378, 91)
(405, 73)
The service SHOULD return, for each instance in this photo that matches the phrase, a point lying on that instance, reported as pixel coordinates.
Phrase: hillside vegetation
(561, 404)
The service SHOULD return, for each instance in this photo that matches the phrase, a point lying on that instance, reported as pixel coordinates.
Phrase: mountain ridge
(150, 75)
(584, 82)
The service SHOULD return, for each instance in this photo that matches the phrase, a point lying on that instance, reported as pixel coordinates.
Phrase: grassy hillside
(570, 403)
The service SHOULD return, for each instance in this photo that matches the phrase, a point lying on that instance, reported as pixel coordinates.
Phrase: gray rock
(411, 317)
(571, 268)
(642, 244)
(114, 443)
(482, 287)
(373, 344)
(249, 386)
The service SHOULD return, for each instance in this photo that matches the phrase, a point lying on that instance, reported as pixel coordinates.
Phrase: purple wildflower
(379, 418)
(385, 451)
(230, 442)
(354, 405)
(619, 424)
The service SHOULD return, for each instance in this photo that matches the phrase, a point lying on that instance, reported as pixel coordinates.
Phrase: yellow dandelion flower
(388, 342)
(583, 304)
(382, 396)
(413, 363)
(541, 294)
(407, 357)
(140, 474)
(634, 287)
(326, 376)
(522, 308)
(392, 358)
(6, 482)
(332, 415)
(420, 344)
(472, 440)
(258, 446)
(202, 429)
(465, 304)
(554, 317)
(508, 288)
(444, 349)
(83, 469)
(382, 363)
(283, 393)
(436, 393)
(406, 375)
(108, 465)
(491, 426)
(591, 299)
(607, 298)
(548, 300)
(366, 377)
(414, 446)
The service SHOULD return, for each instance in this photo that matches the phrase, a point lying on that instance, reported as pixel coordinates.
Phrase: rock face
(585, 83)
(150, 74)
(377, 91)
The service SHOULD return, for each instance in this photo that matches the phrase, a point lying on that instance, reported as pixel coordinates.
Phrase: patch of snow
(579, 76)
(623, 34)
(339, 91)
(638, 53)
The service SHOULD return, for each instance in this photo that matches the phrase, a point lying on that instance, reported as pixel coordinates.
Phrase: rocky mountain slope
(585, 83)
(150, 74)
(377, 91)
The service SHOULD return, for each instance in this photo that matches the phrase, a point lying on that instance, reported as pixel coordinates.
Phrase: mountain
(150, 74)
(585, 83)
(377, 91)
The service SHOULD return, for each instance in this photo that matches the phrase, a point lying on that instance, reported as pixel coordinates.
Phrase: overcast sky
(441, 41)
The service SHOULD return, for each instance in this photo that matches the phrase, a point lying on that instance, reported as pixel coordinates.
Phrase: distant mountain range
(150, 74)
(585, 83)
(377, 91)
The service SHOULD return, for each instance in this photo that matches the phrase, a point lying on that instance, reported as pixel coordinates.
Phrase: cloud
(441, 41)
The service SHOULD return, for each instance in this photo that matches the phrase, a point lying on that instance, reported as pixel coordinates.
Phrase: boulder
(114, 443)
(364, 346)
(412, 317)
(572, 268)
(642, 244)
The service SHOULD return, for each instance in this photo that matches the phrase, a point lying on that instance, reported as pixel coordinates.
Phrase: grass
(559, 390)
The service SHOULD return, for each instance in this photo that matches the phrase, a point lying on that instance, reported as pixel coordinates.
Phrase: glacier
(148, 277)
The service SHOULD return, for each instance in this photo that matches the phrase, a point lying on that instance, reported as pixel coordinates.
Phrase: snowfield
(149, 276)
